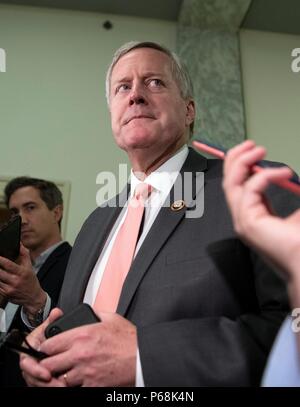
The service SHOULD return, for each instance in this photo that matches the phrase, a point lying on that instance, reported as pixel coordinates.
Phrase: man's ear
(190, 112)
(58, 212)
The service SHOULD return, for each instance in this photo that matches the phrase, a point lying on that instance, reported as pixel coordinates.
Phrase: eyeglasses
(15, 340)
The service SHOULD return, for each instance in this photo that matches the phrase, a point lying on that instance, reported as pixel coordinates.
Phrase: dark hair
(49, 192)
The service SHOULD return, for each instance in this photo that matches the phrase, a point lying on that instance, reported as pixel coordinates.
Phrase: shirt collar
(40, 260)
(163, 178)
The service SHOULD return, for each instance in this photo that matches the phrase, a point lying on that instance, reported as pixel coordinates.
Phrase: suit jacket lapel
(85, 258)
(51, 260)
(166, 221)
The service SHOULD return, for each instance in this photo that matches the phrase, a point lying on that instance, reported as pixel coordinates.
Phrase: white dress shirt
(283, 366)
(37, 265)
(161, 181)
(7, 315)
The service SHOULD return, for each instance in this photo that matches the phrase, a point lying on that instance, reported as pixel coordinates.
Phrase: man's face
(146, 106)
(39, 224)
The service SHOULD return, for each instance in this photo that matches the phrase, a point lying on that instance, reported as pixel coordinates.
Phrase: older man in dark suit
(32, 287)
(196, 307)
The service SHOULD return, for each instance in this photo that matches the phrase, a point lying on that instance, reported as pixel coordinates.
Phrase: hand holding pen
(292, 184)
(277, 239)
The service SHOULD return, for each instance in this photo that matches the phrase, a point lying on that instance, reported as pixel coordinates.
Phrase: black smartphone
(83, 314)
(15, 341)
(10, 235)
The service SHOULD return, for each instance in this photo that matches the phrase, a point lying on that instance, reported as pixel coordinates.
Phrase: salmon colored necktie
(122, 253)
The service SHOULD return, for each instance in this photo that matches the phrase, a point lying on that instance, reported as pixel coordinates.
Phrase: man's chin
(135, 143)
(28, 242)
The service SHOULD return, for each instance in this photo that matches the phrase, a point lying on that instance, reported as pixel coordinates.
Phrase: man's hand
(277, 239)
(100, 354)
(33, 372)
(19, 284)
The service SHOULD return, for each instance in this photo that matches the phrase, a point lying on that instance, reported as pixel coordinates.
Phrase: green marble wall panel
(213, 61)
(224, 15)
(208, 42)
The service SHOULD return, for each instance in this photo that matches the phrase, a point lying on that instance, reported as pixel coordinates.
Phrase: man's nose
(137, 95)
(23, 218)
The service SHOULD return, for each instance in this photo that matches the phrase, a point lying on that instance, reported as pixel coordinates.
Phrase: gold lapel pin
(177, 205)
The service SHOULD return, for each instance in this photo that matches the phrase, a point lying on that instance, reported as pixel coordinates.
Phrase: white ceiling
(161, 9)
(267, 15)
(274, 15)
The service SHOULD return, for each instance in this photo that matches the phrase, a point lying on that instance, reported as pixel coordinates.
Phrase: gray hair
(179, 70)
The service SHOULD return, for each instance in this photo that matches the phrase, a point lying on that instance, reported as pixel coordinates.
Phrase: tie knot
(142, 190)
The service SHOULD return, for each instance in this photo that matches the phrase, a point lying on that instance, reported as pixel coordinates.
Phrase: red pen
(292, 185)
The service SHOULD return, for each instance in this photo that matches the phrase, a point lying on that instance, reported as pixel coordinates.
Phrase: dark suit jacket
(206, 307)
(50, 276)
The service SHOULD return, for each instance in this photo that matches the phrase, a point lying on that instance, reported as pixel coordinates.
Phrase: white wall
(54, 122)
(272, 93)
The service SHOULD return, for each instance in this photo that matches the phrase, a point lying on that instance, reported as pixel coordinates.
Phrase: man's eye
(122, 88)
(155, 83)
(30, 208)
